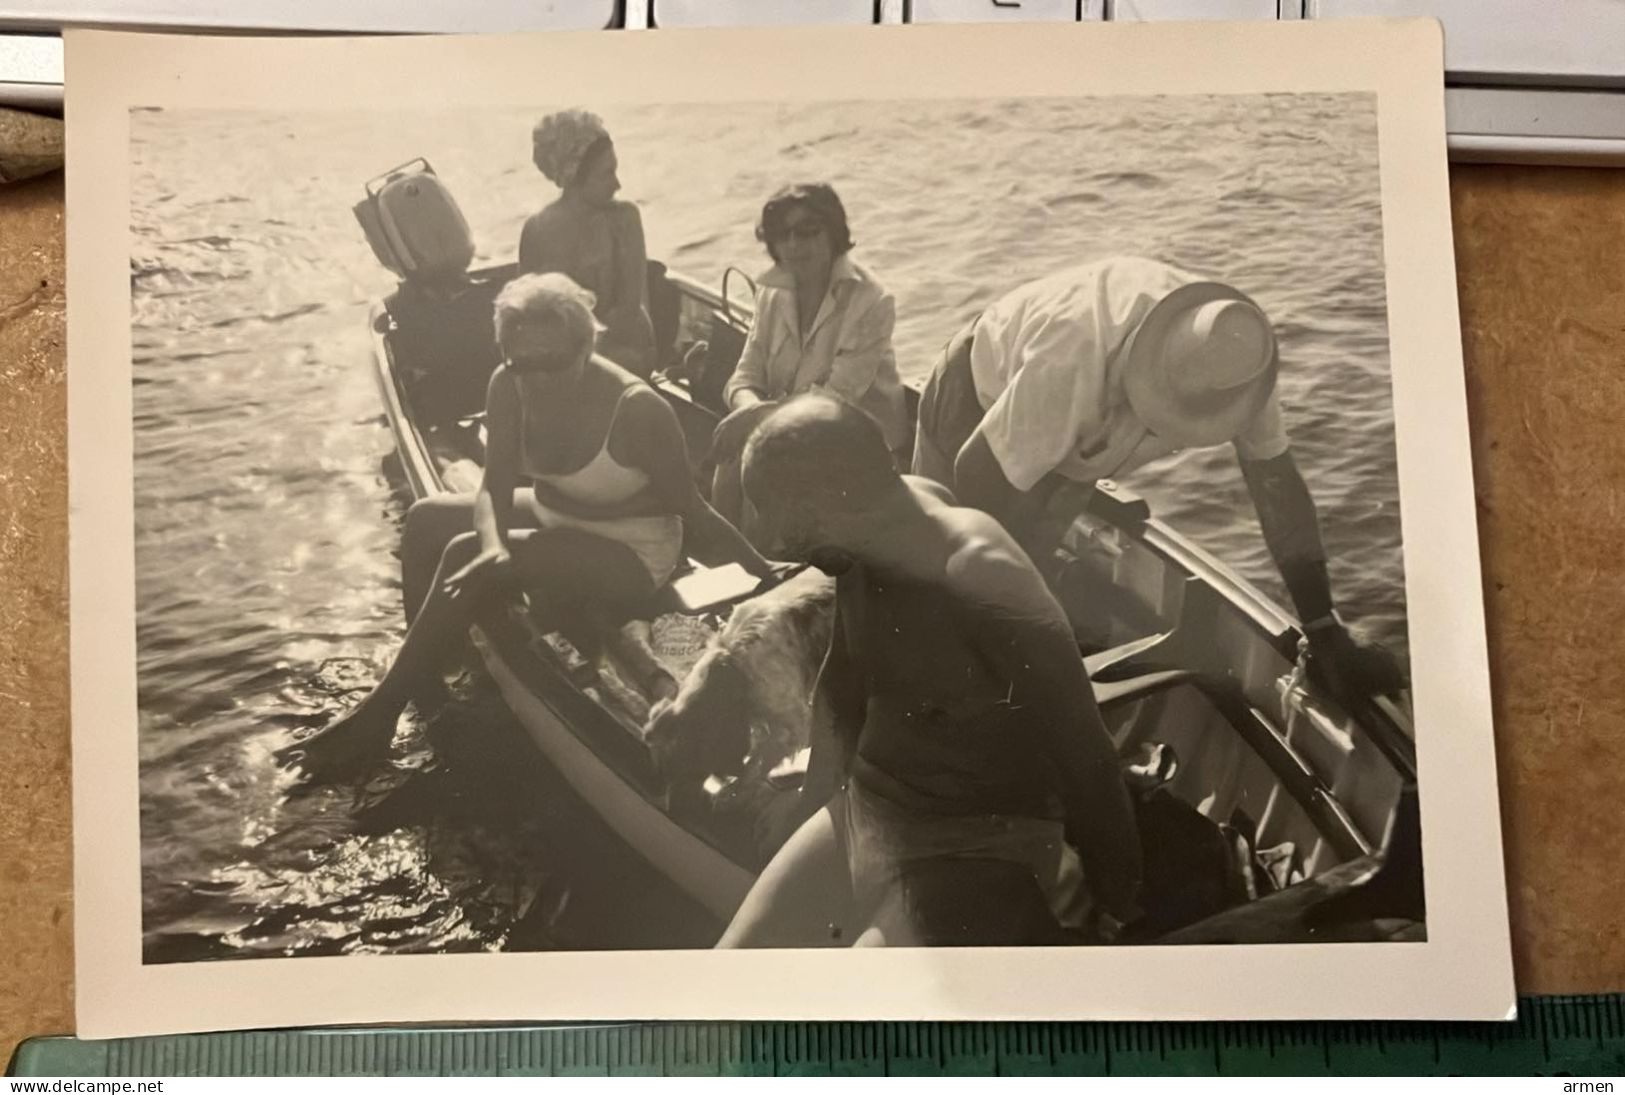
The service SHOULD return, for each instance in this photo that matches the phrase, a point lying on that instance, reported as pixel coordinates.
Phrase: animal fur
(750, 694)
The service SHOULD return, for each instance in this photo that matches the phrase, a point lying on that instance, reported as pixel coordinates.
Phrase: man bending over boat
(959, 747)
(1095, 371)
(584, 503)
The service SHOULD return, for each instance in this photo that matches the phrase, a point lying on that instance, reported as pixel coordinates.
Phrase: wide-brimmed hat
(1200, 364)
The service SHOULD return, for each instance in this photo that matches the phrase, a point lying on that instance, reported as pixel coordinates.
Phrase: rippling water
(268, 589)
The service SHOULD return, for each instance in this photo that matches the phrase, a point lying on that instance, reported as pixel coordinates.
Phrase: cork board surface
(36, 915)
(1542, 288)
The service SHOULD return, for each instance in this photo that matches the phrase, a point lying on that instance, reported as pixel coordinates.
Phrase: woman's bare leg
(590, 577)
(430, 525)
(582, 585)
(356, 738)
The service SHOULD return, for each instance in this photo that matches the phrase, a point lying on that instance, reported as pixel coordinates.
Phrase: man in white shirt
(1100, 369)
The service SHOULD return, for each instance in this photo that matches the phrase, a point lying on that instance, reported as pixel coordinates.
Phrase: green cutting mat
(1554, 1036)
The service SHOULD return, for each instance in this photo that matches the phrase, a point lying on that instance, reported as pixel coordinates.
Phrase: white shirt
(1046, 366)
(847, 350)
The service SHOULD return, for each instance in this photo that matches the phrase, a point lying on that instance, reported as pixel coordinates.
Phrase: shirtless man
(959, 746)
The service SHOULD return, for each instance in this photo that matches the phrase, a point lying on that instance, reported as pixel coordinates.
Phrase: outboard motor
(414, 225)
(439, 319)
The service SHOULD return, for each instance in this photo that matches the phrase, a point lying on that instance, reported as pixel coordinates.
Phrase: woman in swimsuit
(584, 504)
(589, 236)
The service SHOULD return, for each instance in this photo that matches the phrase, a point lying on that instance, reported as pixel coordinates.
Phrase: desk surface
(1543, 306)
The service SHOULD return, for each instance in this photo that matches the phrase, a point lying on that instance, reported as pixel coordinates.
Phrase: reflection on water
(267, 581)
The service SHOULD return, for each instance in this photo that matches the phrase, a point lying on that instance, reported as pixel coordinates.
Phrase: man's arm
(1039, 658)
(980, 482)
(839, 707)
(1286, 513)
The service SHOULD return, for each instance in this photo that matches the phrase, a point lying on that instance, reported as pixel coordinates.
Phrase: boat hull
(1254, 738)
(701, 871)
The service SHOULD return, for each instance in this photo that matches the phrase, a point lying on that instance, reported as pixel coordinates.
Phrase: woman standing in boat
(598, 529)
(823, 323)
(589, 236)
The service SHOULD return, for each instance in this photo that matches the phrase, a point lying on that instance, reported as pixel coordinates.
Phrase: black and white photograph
(587, 523)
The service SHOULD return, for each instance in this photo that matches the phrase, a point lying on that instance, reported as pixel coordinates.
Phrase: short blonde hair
(548, 296)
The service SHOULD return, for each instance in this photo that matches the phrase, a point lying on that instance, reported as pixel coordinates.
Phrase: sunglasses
(801, 230)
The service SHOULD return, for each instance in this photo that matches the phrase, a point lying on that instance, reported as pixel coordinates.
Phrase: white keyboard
(762, 13)
(1540, 80)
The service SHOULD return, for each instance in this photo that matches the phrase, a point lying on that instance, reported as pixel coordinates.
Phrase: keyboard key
(31, 58)
(1147, 10)
(994, 11)
(31, 71)
(397, 16)
(1538, 114)
(1574, 42)
(759, 13)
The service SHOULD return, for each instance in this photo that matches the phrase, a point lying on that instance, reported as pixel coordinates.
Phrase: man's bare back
(959, 746)
(938, 717)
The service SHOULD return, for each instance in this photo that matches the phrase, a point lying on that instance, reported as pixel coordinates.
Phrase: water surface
(267, 581)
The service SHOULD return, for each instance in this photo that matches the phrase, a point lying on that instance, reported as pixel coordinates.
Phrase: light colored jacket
(847, 351)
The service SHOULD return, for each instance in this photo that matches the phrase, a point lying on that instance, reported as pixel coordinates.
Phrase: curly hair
(817, 198)
(554, 296)
(563, 142)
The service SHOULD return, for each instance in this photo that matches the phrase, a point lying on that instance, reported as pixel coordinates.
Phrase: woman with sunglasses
(584, 504)
(823, 323)
(588, 235)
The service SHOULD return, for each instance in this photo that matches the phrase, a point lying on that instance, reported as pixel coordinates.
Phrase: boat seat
(665, 313)
(1108, 664)
(724, 345)
(1130, 671)
(696, 589)
(1109, 694)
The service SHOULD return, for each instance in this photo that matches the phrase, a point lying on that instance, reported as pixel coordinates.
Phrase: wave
(798, 147)
(700, 244)
(213, 242)
(1082, 197)
(274, 317)
(1142, 180)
